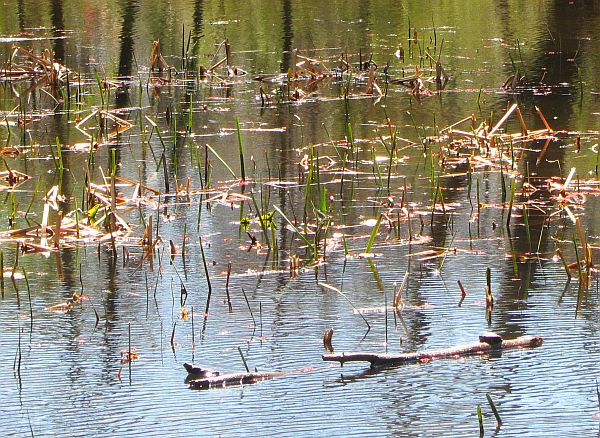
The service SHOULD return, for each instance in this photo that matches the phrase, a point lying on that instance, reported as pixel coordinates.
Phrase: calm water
(71, 381)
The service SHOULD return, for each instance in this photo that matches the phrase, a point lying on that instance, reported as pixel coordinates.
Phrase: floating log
(206, 378)
(231, 379)
(488, 343)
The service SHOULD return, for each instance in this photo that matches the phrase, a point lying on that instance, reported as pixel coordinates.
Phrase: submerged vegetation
(352, 181)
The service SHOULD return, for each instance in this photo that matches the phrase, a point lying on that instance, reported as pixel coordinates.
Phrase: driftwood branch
(470, 349)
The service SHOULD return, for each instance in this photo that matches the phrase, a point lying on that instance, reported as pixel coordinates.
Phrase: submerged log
(231, 379)
(487, 344)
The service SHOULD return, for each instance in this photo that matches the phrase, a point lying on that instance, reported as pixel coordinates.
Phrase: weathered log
(473, 348)
(231, 379)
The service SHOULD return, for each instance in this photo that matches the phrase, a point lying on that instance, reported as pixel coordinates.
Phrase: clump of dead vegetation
(42, 69)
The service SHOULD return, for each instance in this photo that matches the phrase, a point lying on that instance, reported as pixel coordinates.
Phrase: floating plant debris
(24, 64)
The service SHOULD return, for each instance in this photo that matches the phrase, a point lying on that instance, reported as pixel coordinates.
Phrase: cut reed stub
(173, 249)
(463, 293)
(294, 266)
(327, 336)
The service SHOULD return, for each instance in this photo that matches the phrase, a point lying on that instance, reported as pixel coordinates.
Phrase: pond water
(319, 153)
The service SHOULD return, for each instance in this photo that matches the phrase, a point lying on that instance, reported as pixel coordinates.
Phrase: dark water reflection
(288, 36)
(58, 25)
(71, 380)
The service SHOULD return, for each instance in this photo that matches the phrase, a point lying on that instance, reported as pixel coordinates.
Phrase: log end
(536, 341)
(523, 342)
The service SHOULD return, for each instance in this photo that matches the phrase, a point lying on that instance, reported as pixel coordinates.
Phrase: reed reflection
(129, 15)
(58, 26)
(288, 35)
(553, 67)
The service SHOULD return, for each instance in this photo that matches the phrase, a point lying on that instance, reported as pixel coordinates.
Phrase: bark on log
(231, 379)
(473, 348)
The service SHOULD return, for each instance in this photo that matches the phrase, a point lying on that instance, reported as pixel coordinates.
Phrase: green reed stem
(527, 227)
(304, 238)
(241, 149)
(221, 160)
(480, 420)
(335, 289)
(374, 234)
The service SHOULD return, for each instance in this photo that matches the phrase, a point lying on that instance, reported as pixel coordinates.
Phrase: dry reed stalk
(544, 121)
(543, 151)
(513, 107)
(327, 336)
(524, 130)
(463, 293)
(454, 125)
(564, 262)
(157, 61)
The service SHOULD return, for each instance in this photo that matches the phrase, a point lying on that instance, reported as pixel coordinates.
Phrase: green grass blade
(221, 160)
(296, 230)
(373, 234)
(241, 148)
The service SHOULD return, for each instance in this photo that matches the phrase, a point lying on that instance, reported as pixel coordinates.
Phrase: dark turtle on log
(199, 372)
(491, 338)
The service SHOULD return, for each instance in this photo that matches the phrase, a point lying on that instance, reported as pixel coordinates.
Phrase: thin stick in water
(243, 359)
(260, 316)
(328, 286)
(598, 393)
(249, 308)
(173, 337)
(208, 283)
(193, 339)
(2, 273)
(129, 358)
(386, 318)
(29, 296)
(494, 410)
(227, 286)
(463, 293)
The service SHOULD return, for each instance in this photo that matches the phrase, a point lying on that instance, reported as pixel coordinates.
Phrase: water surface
(61, 373)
